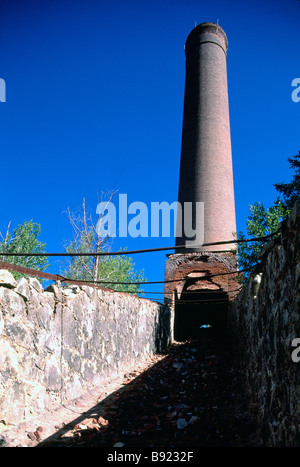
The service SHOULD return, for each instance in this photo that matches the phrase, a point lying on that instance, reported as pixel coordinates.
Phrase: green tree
(86, 239)
(121, 269)
(290, 192)
(24, 240)
(262, 221)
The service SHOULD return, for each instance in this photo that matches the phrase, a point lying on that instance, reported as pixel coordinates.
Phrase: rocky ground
(189, 396)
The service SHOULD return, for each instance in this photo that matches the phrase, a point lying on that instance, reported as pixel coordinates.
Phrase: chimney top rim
(207, 28)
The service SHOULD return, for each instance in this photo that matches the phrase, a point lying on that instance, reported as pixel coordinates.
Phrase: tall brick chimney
(206, 163)
(200, 281)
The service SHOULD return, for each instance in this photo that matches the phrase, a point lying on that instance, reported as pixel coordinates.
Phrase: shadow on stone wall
(263, 322)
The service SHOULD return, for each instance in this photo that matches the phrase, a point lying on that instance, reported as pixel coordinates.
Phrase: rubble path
(190, 397)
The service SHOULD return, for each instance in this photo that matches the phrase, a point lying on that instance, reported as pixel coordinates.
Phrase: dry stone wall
(263, 323)
(57, 343)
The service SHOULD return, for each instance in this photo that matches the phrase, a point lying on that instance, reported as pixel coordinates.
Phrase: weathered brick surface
(57, 344)
(191, 267)
(206, 173)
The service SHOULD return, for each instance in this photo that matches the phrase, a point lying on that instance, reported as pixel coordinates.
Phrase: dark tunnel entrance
(200, 308)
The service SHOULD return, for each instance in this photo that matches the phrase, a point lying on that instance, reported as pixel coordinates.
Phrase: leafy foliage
(121, 269)
(86, 239)
(262, 221)
(291, 191)
(24, 240)
(118, 268)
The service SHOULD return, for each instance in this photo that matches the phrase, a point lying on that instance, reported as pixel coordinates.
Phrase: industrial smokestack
(206, 163)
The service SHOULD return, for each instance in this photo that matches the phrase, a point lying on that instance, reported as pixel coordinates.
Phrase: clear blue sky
(95, 102)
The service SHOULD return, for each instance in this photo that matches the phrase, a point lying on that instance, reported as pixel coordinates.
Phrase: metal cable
(149, 250)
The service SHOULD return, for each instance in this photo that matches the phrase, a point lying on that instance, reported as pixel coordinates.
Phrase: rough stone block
(7, 279)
